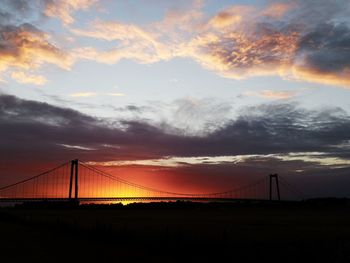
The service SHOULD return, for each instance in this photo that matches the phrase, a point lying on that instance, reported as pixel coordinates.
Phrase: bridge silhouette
(80, 182)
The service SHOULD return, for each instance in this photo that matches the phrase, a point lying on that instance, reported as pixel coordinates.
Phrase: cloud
(264, 129)
(83, 94)
(199, 116)
(323, 55)
(110, 31)
(63, 9)
(22, 77)
(315, 159)
(24, 47)
(239, 55)
(322, 159)
(27, 47)
(77, 147)
(224, 19)
(272, 94)
(160, 40)
(299, 40)
(278, 9)
(15, 11)
(134, 43)
(94, 94)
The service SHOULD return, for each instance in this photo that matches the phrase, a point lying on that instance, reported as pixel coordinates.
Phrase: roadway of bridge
(131, 199)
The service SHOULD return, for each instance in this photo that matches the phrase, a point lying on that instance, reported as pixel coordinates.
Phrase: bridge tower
(73, 179)
(275, 176)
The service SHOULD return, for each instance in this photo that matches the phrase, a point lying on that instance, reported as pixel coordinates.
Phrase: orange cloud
(272, 94)
(25, 47)
(230, 16)
(26, 78)
(63, 9)
(238, 42)
(110, 31)
(133, 41)
(278, 94)
(210, 46)
(239, 55)
(225, 19)
(83, 94)
(341, 78)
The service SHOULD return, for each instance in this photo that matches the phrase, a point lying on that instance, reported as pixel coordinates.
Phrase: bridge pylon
(274, 176)
(73, 179)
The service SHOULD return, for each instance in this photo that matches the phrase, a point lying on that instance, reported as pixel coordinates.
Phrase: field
(177, 232)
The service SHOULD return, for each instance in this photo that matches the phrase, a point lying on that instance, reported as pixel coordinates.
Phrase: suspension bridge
(80, 182)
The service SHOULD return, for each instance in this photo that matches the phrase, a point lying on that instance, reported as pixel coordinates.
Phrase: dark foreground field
(180, 232)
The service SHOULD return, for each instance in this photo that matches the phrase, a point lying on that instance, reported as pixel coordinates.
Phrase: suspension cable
(31, 178)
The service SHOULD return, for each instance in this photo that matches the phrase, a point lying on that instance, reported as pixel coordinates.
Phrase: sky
(181, 95)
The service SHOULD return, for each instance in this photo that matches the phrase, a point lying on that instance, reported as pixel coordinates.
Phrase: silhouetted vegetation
(316, 230)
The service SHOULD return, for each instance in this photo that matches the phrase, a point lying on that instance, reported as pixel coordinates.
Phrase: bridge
(80, 182)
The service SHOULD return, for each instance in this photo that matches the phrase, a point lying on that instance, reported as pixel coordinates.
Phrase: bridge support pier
(275, 176)
(73, 179)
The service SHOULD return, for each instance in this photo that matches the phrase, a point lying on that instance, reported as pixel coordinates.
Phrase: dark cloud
(281, 128)
(15, 11)
(21, 6)
(326, 48)
(314, 12)
(265, 129)
(130, 108)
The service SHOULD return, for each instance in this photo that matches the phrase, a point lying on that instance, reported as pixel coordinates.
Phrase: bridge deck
(116, 199)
